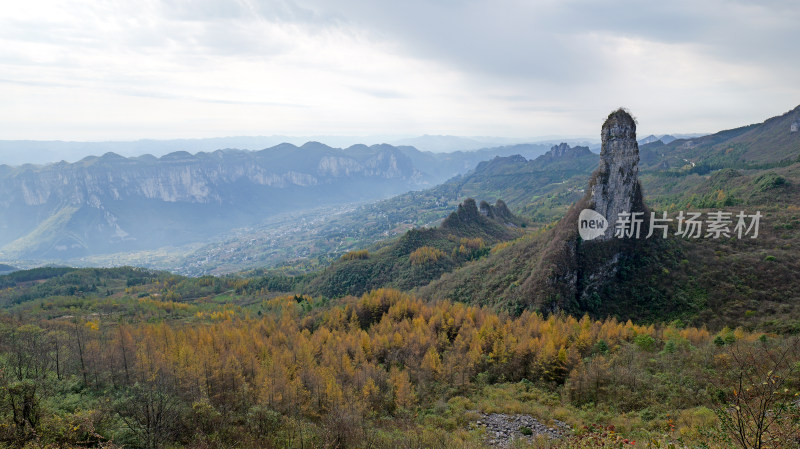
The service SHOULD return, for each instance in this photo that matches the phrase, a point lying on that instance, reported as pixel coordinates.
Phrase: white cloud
(156, 69)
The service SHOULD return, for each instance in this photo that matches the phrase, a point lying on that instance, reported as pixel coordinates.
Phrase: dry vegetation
(382, 370)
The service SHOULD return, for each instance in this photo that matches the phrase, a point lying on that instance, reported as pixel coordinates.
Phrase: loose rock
(502, 429)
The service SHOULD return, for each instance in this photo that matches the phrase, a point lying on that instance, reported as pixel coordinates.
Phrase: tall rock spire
(575, 273)
(615, 184)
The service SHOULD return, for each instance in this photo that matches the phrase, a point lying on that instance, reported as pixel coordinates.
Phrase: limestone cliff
(572, 271)
(614, 187)
(564, 151)
(112, 203)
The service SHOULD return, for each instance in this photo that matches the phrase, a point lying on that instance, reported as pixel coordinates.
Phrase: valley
(470, 314)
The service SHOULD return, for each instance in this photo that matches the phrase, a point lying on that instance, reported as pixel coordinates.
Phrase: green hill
(420, 255)
(770, 142)
(717, 282)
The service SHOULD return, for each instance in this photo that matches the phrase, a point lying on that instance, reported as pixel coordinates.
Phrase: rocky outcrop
(573, 272)
(498, 212)
(564, 151)
(489, 222)
(502, 429)
(469, 213)
(615, 187)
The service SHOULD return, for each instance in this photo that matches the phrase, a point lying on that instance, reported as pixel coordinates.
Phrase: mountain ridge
(111, 203)
(419, 255)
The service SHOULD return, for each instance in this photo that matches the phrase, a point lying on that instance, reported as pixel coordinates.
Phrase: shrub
(645, 342)
(425, 255)
(356, 255)
(601, 347)
(760, 408)
(476, 243)
(769, 181)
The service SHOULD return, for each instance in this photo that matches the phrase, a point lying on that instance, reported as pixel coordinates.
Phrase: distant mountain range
(749, 282)
(447, 144)
(667, 138)
(111, 203)
(542, 187)
(775, 140)
(19, 152)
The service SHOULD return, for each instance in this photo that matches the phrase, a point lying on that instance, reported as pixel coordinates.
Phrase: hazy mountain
(19, 152)
(667, 138)
(771, 141)
(542, 188)
(447, 144)
(112, 204)
(649, 139)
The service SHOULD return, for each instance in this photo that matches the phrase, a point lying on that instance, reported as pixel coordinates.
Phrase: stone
(615, 184)
(502, 429)
(564, 151)
(580, 264)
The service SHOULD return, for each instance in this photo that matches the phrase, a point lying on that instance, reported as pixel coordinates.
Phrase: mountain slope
(714, 281)
(419, 255)
(112, 204)
(775, 140)
(550, 183)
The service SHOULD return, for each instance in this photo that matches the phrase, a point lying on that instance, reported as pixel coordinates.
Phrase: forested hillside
(420, 255)
(145, 359)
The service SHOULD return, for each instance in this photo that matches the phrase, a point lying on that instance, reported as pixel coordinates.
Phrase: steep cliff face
(615, 188)
(564, 151)
(112, 203)
(182, 177)
(486, 221)
(572, 272)
(500, 213)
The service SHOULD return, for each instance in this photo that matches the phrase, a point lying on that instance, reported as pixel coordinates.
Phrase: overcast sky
(122, 70)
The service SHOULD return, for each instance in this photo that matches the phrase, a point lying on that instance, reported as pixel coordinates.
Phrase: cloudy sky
(121, 70)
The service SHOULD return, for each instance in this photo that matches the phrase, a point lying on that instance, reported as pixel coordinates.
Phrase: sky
(148, 69)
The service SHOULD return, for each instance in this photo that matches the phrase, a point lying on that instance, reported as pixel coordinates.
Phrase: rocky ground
(502, 429)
